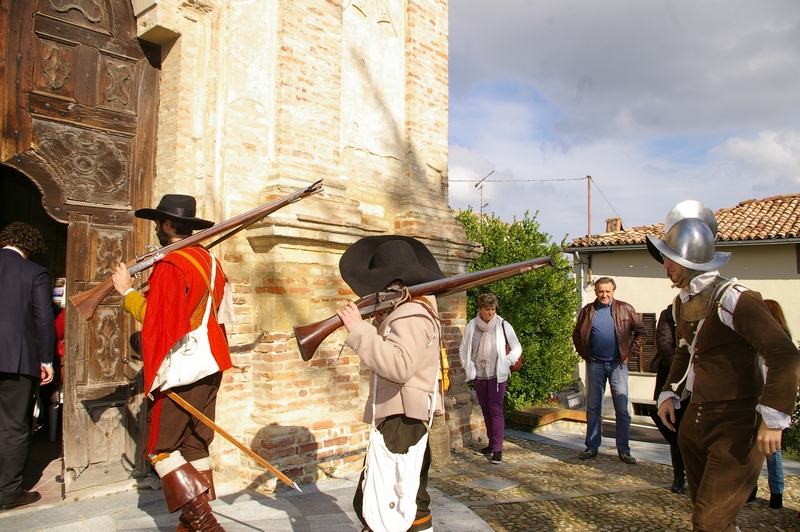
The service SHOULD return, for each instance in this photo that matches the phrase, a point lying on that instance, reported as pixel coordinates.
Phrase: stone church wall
(259, 98)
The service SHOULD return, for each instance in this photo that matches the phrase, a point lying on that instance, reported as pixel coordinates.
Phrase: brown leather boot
(183, 485)
(187, 489)
(200, 517)
(184, 525)
(209, 476)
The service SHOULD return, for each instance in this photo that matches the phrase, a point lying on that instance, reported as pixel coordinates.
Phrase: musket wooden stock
(86, 302)
(310, 336)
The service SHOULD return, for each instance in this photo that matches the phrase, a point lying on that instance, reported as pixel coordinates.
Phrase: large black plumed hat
(175, 207)
(374, 262)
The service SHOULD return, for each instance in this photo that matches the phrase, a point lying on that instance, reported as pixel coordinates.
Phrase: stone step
(538, 416)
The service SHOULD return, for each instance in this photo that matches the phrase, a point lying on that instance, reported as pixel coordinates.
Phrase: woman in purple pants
(486, 361)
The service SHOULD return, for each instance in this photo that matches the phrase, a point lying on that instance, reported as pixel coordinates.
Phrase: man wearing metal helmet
(733, 418)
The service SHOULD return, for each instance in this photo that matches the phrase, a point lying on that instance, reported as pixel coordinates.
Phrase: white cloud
(658, 102)
(774, 154)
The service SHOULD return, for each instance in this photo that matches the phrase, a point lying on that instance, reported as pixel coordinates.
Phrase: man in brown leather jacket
(606, 332)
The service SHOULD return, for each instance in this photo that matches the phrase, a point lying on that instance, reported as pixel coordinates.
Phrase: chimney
(613, 224)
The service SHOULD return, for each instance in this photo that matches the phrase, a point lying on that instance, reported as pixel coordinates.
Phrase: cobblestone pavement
(552, 490)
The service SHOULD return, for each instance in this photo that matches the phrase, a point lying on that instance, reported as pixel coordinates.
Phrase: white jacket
(504, 361)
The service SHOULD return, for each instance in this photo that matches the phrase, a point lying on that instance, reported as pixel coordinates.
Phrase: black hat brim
(363, 277)
(155, 214)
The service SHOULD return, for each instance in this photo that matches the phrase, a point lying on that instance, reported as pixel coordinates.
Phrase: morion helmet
(690, 234)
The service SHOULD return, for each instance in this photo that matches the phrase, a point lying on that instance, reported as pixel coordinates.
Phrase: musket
(228, 436)
(88, 300)
(310, 336)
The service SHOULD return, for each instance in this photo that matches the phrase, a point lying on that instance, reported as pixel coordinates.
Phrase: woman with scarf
(488, 349)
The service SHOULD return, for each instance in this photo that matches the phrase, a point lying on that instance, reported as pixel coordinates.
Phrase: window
(641, 361)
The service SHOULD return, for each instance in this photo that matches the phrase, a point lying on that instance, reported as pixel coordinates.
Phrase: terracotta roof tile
(772, 218)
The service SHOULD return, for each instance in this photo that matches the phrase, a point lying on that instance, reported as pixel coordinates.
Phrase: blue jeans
(617, 375)
(775, 472)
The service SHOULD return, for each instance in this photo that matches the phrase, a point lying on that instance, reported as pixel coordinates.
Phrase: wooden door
(79, 101)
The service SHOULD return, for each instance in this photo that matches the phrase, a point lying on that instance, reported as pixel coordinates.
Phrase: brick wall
(259, 99)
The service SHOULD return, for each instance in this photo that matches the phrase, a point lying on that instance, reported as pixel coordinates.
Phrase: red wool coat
(175, 303)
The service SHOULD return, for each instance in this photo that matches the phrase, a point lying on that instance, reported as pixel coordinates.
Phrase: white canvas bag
(190, 359)
(391, 480)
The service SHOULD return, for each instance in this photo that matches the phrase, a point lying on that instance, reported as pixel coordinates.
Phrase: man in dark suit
(27, 342)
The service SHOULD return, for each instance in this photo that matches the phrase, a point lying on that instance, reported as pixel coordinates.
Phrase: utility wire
(609, 203)
(542, 181)
(516, 180)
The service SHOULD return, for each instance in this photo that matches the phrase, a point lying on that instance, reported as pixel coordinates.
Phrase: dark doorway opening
(21, 201)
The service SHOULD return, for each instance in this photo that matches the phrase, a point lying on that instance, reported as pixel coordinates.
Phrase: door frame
(79, 95)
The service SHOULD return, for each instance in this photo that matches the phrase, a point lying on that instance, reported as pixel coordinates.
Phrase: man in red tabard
(173, 306)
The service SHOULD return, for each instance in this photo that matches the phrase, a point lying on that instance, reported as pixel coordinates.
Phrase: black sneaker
(588, 453)
(486, 451)
(497, 458)
(627, 458)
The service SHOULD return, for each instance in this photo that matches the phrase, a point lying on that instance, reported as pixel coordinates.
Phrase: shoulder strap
(197, 265)
(202, 271)
(427, 306)
(444, 363)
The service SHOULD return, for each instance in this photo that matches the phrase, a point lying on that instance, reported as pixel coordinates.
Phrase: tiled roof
(772, 218)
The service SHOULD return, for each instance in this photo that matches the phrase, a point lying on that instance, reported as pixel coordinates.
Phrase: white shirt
(21, 254)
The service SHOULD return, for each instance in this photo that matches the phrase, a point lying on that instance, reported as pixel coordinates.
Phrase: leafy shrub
(540, 305)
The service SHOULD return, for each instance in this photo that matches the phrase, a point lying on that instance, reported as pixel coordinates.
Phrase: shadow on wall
(296, 453)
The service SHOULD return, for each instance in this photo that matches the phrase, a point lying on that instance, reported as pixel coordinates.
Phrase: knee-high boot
(209, 476)
(183, 522)
(188, 490)
(199, 515)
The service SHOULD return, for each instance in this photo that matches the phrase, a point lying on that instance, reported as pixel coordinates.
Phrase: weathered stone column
(259, 99)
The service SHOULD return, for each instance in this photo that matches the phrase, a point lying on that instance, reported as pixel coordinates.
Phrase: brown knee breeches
(180, 431)
(719, 448)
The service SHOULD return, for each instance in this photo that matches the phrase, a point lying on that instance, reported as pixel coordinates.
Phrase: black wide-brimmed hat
(175, 207)
(374, 262)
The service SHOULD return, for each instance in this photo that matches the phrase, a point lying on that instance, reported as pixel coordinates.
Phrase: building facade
(763, 237)
(110, 104)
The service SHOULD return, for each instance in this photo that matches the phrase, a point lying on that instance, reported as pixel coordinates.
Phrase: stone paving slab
(557, 491)
(493, 483)
(322, 507)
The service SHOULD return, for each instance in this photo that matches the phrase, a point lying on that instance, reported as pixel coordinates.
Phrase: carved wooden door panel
(79, 100)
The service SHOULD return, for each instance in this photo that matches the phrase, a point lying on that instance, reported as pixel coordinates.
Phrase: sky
(659, 101)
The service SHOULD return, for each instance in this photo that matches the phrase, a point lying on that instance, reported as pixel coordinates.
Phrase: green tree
(540, 305)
